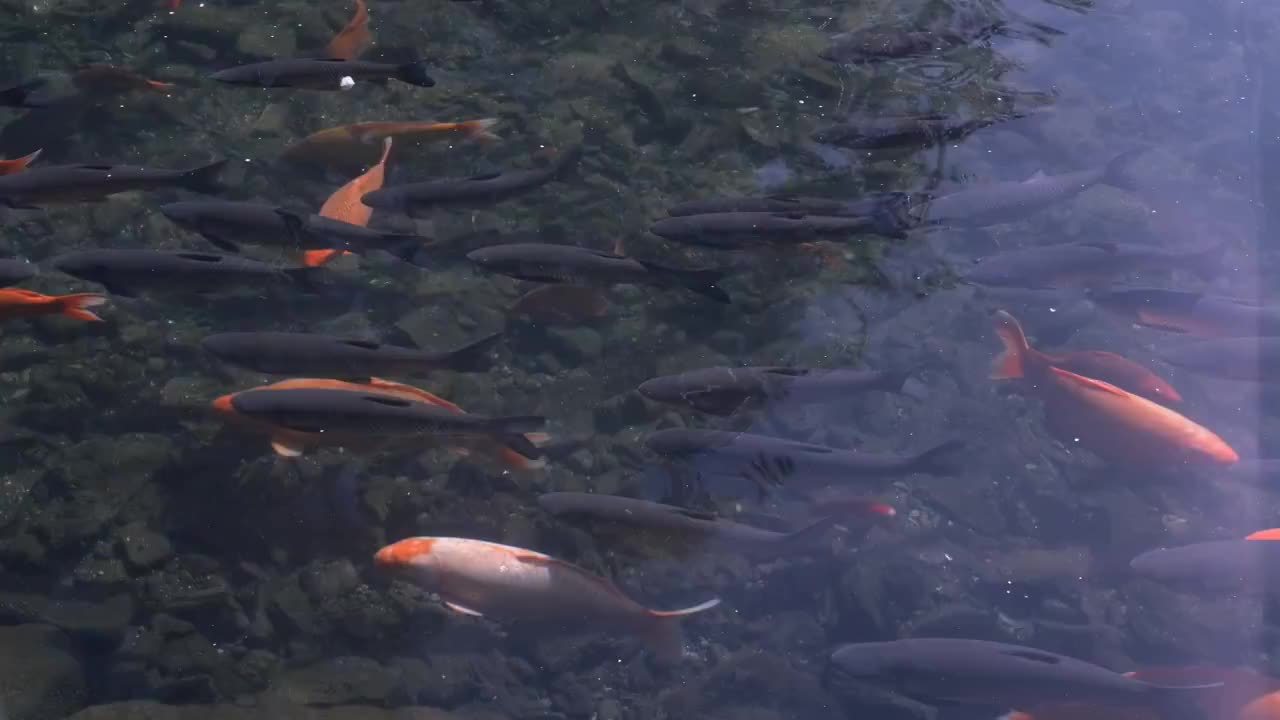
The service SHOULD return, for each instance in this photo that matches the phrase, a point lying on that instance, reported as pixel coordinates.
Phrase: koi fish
(17, 165)
(16, 303)
(354, 38)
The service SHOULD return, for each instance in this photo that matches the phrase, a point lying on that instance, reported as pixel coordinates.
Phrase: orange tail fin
(479, 129)
(663, 635)
(1010, 362)
(16, 165)
(74, 305)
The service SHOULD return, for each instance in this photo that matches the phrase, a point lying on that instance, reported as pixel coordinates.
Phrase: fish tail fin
(20, 95)
(475, 357)
(1117, 171)
(386, 150)
(74, 306)
(519, 445)
(204, 179)
(1010, 363)
(320, 258)
(415, 73)
(516, 460)
(1207, 264)
(478, 130)
(704, 282)
(16, 165)
(942, 459)
(662, 633)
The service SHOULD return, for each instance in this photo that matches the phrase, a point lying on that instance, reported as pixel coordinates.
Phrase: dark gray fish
(313, 355)
(86, 183)
(21, 95)
(1002, 202)
(547, 262)
(978, 672)
(128, 272)
(733, 229)
(726, 390)
(364, 414)
(1192, 313)
(227, 224)
(1215, 566)
(478, 189)
(321, 73)
(787, 204)
(770, 461)
(899, 131)
(1242, 358)
(646, 515)
(1088, 263)
(879, 43)
(15, 270)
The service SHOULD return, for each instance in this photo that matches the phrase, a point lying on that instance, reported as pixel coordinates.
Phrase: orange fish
(1119, 371)
(345, 205)
(1243, 695)
(1113, 423)
(1271, 534)
(15, 303)
(108, 80)
(9, 167)
(475, 577)
(352, 39)
(357, 145)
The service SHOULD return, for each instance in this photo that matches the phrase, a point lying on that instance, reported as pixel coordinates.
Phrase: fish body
(1002, 202)
(360, 144)
(551, 263)
(979, 672)
(286, 353)
(890, 132)
(475, 577)
(1214, 566)
(127, 272)
(85, 183)
(478, 189)
(15, 303)
(321, 73)
(725, 390)
(354, 38)
(733, 229)
(344, 204)
(1242, 358)
(15, 270)
(1119, 371)
(1196, 314)
(1117, 425)
(1085, 263)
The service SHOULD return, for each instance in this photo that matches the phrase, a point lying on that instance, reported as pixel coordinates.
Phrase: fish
(101, 81)
(17, 165)
(1115, 424)
(22, 94)
(480, 578)
(550, 263)
(726, 390)
(1085, 263)
(290, 353)
(477, 189)
(321, 73)
(354, 38)
(360, 144)
(1242, 358)
(879, 43)
(1003, 202)
(678, 521)
(1215, 566)
(979, 672)
(869, 204)
(228, 224)
(344, 204)
(559, 305)
(129, 272)
(898, 131)
(734, 229)
(1119, 371)
(16, 303)
(1192, 313)
(15, 270)
(1244, 692)
(772, 462)
(89, 183)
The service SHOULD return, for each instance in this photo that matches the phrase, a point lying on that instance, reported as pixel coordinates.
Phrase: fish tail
(16, 165)
(320, 258)
(704, 282)
(662, 633)
(386, 150)
(517, 461)
(1271, 534)
(941, 459)
(1117, 174)
(519, 444)
(479, 130)
(20, 95)
(1010, 363)
(73, 306)
(476, 357)
(204, 179)
(415, 73)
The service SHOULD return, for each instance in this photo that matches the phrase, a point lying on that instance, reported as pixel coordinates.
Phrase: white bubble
(347, 83)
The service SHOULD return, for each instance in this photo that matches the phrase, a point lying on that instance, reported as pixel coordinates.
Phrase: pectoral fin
(286, 448)
(461, 609)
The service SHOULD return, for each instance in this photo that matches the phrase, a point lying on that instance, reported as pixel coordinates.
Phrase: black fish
(725, 390)
(546, 262)
(1217, 565)
(1086, 263)
(15, 270)
(127, 272)
(478, 189)
(20, 95)
(321, 73)
(732, 229)
(307, 354)
(80, 183)
(1193, 313)
(789, 204)
(907, 130)
(977, 672)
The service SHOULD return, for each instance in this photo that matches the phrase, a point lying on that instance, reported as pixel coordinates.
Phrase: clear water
(158, 561)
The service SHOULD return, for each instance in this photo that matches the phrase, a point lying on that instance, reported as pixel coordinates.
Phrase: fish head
(183, 213)
(491, 258)
(661, 389)
(82, 265)
(412, 556)
(866, 662)
(222, 406)
(222, 345)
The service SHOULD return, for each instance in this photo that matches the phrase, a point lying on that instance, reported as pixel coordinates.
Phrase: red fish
(353, 39)
(344, 204)
(475, 577)
(1119, 371)
(1115, 424)
(16, 303)
(357, 145)
(9, 167)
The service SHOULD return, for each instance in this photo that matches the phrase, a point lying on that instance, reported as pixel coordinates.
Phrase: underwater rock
(339, 681)
(576, 345)
(143, 548)
(615, 413)
(40, 677)
(101, 622)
